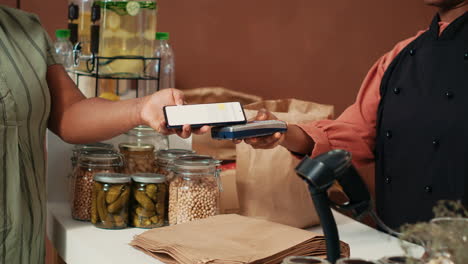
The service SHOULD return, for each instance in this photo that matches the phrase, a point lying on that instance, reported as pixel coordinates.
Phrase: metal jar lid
(168, 155)
(102, 158)
(194, 161)
(148, 178)
(136, 147)
(112, 178)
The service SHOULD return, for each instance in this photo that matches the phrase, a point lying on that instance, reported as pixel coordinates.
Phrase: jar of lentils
(110, 200)
(138, 157)
(148, 200)
(90, 163)
(195, 189)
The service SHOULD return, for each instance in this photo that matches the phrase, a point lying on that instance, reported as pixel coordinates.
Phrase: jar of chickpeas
(138, 157)
(195, 190)
(148, 200)
(164, 160)
(89, 164)
(111, 195)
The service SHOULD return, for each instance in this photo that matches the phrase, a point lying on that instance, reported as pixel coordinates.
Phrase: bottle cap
(62, 33)
(162, 35)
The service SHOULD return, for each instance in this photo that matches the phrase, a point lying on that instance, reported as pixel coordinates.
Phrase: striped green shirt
(25, 54)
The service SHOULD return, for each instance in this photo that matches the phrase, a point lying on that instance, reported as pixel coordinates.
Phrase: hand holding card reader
(252, 129)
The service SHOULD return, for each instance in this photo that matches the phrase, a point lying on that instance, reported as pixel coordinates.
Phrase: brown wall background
(312, 50)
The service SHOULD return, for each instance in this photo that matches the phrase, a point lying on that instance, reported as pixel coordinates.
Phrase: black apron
(422, 126)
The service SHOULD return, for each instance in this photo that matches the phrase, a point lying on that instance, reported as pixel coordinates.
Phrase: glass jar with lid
(148, 203)
(138, 157)
(195, 189)
(163, 162)
(147, 135)
(110, 200)
(165, 158)
(88, 147)
(90, 163)
(304, 260)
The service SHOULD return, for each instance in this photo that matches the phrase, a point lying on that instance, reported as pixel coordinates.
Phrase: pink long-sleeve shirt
(355, 129)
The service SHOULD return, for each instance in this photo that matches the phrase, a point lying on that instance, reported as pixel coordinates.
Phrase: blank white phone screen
(204, 114)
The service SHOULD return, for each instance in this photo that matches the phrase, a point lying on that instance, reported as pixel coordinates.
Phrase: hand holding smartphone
(198, 115)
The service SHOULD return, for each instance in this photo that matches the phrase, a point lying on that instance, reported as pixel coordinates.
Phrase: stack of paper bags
(230, 239)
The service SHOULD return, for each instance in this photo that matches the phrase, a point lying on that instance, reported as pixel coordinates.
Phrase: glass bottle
(163, 69)
(195, 189)
(83, 179)
(110, 200)
(64, 48)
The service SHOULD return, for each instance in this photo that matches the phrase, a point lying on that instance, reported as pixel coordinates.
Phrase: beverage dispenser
(115, 45)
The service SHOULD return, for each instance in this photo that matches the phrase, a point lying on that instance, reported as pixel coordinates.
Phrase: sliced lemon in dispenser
(113, 21)
(109, 96)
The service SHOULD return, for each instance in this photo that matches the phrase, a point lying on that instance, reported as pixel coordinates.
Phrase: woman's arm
(76, 119)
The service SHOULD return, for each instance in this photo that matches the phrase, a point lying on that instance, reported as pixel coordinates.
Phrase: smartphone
(198, 115)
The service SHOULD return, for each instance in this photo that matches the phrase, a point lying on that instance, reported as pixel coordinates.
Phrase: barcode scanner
(320, 174)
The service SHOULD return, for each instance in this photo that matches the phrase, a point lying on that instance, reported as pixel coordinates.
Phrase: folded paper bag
(230, 239)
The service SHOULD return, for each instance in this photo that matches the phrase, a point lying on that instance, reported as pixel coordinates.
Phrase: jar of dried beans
(163, 163)
(195, 189)
(138, 157)
(110, 200)
(165, 158)
(88, 164)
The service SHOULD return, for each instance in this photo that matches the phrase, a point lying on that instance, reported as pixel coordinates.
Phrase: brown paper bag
(267, 184)
(204, 144)
(229, 200)
(230, 239)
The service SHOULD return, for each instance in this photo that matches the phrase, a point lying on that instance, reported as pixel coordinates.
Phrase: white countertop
(82, 243)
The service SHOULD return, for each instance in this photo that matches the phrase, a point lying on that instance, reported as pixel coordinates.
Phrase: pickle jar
(147, 135)
(195, 189)
(304, 260)
(90, 163)
(148, 203)
(138, 157)
(111, 195)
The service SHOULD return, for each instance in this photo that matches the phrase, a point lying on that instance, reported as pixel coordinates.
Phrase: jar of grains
(148, 200)
(110, 200)
(88, 147)
(138, 157)
(164, 160)
(147, 135)
(195, 189)
(90, 163)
